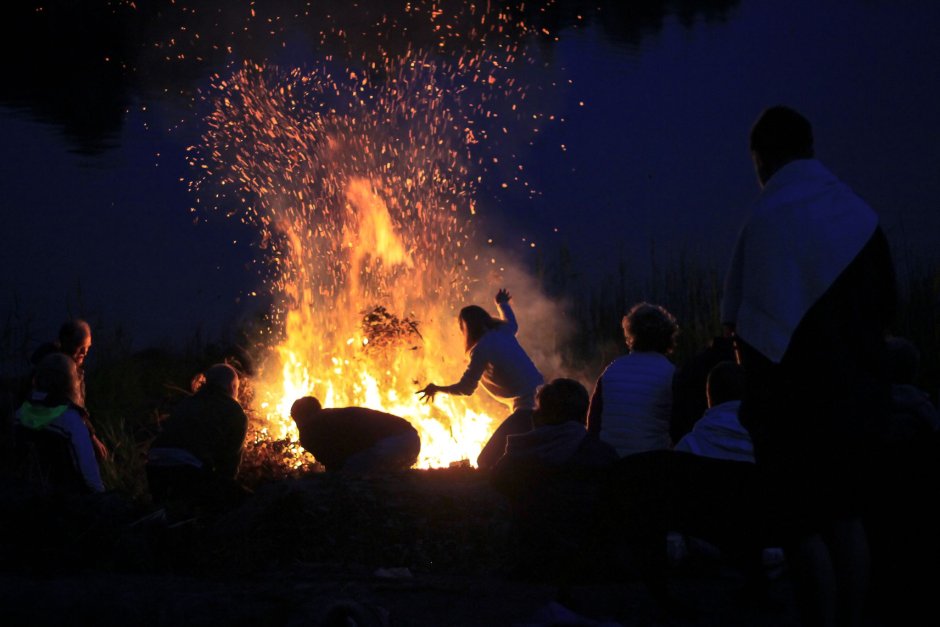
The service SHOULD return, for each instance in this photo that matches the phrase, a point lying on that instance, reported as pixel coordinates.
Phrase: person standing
(499, 362)
(809, 296)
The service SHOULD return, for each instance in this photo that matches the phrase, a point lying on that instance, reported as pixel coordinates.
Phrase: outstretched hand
(428, 392)
(502, 296)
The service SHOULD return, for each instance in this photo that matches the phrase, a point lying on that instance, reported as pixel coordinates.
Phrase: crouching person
(355, 440)
(553, 476)
(193, 462)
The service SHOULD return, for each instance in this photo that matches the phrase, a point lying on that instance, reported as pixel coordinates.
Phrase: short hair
(72, 333)
(561, 400)
(57, 376)
(782, 134)
(221, 376)
(725, 383)
(903, 360)
(649, 327)
(305, 407)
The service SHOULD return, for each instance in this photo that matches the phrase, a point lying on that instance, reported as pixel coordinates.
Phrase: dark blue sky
(657, 153)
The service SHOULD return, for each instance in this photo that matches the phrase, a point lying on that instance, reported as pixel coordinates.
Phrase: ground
(420, 549)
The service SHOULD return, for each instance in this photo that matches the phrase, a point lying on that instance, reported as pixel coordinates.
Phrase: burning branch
(384, 330)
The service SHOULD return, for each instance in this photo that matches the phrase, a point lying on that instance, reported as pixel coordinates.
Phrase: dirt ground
(423, 549)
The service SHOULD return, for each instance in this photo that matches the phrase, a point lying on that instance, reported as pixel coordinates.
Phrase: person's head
(474, 322)
(725, 383)
(903, 361)
(304, 408)
(222, 377)
(650, 328)
(780, 135)
(561, 400)
(57, 376)
(75, 340)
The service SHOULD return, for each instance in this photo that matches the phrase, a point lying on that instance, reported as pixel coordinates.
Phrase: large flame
(360, 203)
(327, 351)
(360, 175)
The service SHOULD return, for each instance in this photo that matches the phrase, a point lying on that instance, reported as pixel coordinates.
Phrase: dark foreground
(424, 549)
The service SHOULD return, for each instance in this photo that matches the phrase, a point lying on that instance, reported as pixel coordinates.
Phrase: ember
(361, 181)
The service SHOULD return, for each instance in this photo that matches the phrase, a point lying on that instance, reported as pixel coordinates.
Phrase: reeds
(130, 391)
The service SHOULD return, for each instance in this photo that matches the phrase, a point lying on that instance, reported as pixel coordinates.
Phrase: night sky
(651, 155)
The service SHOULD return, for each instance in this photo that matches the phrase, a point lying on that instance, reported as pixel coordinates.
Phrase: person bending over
(355, 440)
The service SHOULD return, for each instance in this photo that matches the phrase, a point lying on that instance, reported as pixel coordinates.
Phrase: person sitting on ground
(499, 362)
(719, 496)
(913, 414)
(718, 433)
(74, 341)
(50, 416)
(689, 398)
(632, 402)
(553, 477)
(198, 450)
(355, 440)
(901, 519)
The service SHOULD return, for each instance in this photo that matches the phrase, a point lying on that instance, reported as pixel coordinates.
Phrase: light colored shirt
(501, 365)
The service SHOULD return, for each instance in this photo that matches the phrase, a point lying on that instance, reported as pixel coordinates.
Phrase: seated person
(902, 519)
(913, 415)
(50, 426)
(199, 448)
(553, 476)
(355, 439)
(631, 407)
(689, 397)
(718, 433)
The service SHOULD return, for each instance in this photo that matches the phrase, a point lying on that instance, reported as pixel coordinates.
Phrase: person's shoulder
(615, 363)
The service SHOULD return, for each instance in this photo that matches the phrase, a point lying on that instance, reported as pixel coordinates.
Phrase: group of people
(785, 409)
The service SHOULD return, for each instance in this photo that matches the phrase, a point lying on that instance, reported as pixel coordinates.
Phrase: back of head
(903, 361)
(222, 377)
(725, 383)
(476, 321)
(648, 327)
(57, 377)
(304, 408)
(72, 334)
(561, 400)
(781, 135)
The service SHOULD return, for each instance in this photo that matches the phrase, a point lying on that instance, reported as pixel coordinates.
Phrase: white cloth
(805, 229)
(499, 362)
(636, 407)
(719, 434)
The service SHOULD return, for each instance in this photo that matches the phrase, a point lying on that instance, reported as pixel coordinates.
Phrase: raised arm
(505, 311)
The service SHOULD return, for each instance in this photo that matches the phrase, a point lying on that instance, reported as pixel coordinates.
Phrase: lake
(639, 151)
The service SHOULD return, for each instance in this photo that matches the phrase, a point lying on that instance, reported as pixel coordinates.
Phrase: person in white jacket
(501, 365)
(632, 401)
(718, 433)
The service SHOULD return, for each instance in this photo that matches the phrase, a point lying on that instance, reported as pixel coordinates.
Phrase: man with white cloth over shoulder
(809, 296)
